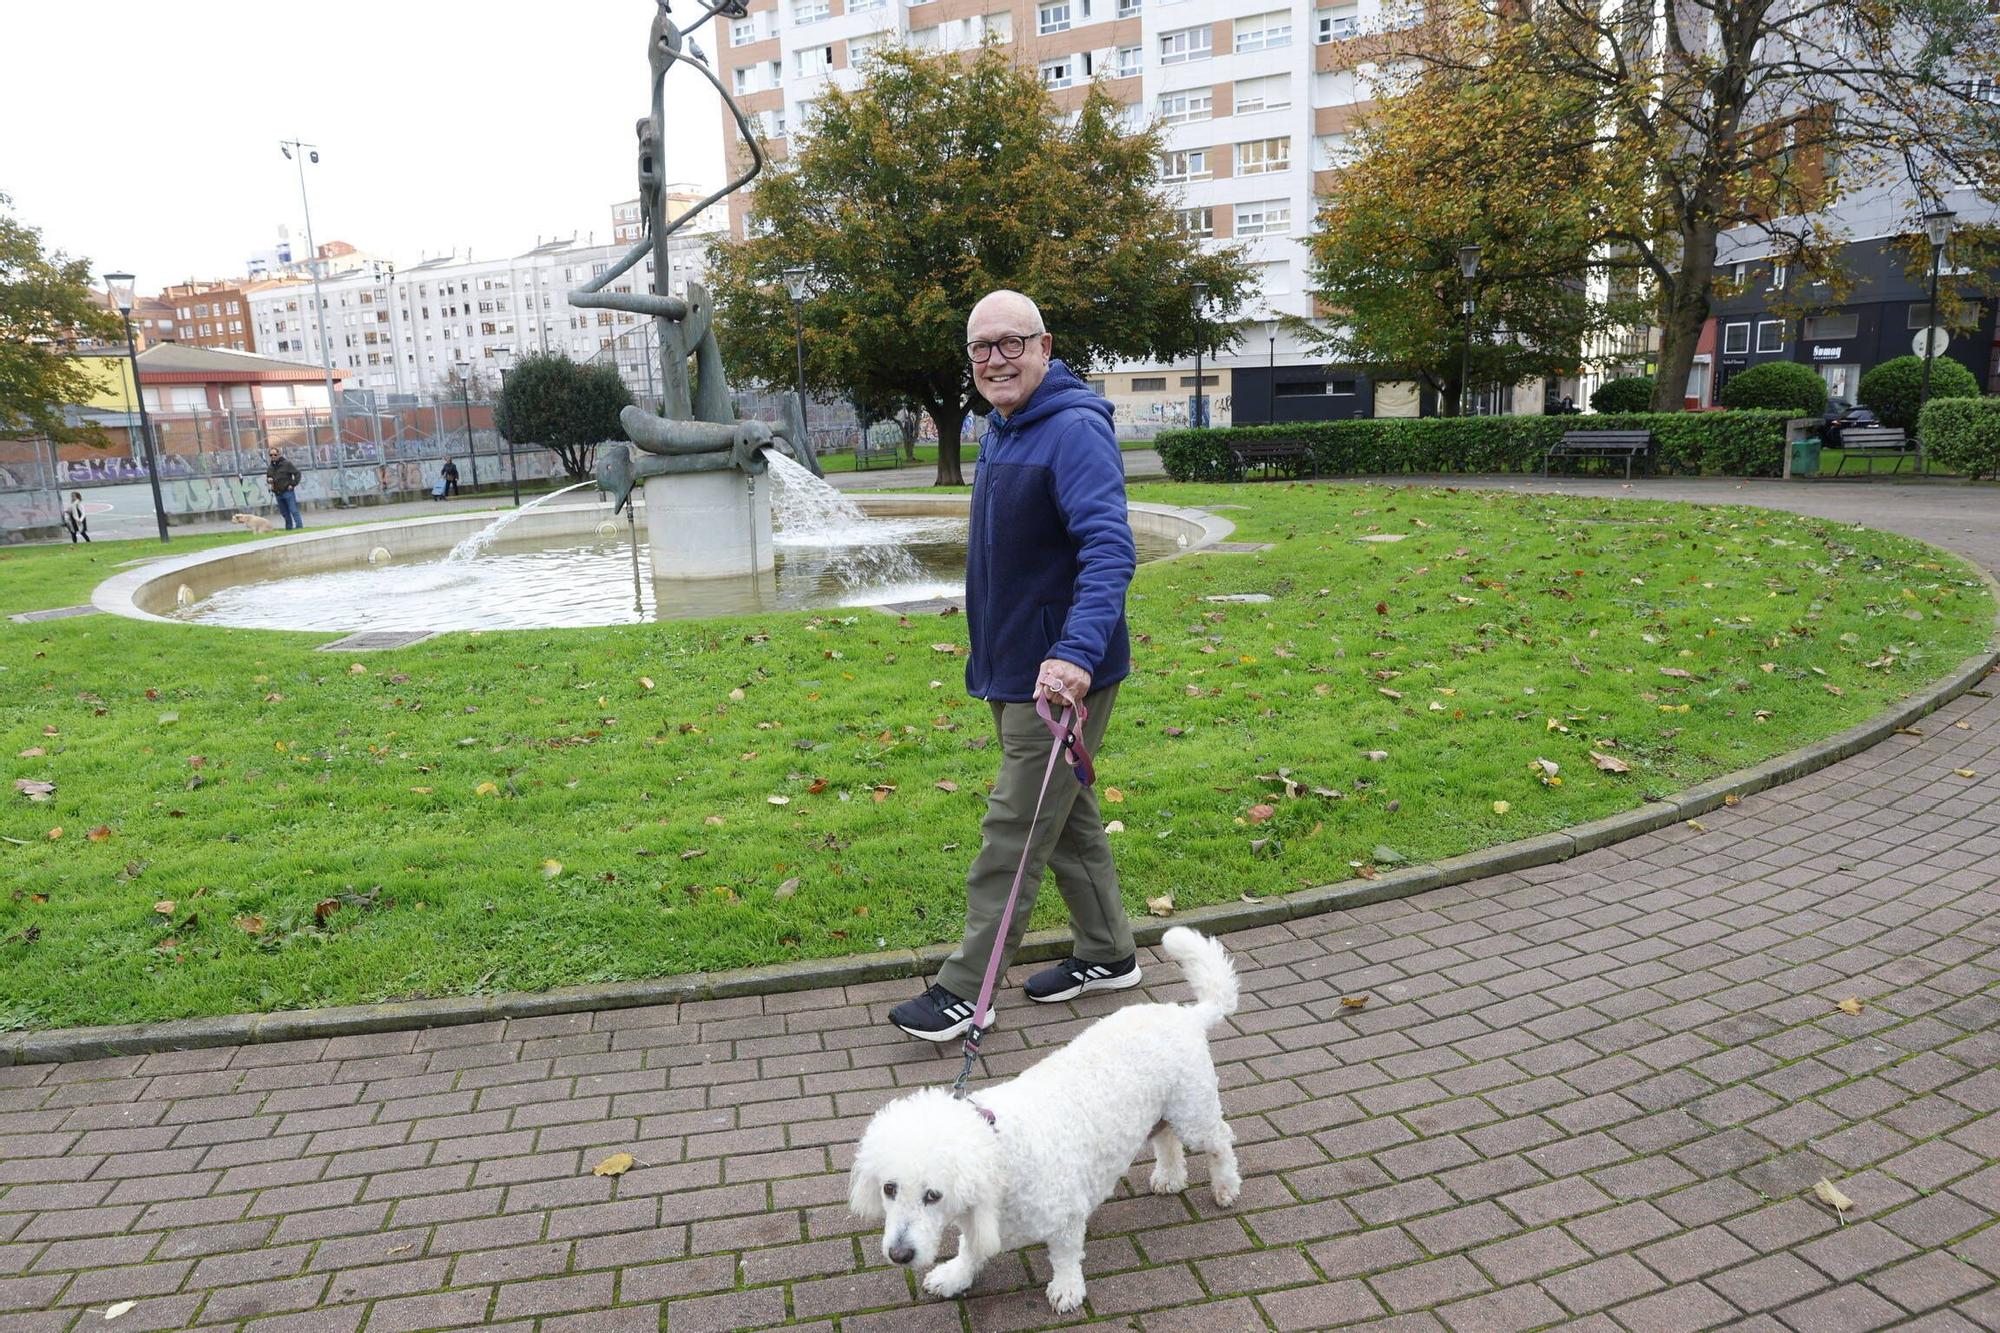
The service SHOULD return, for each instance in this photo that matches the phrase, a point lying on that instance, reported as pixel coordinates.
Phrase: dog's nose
(901, 1254)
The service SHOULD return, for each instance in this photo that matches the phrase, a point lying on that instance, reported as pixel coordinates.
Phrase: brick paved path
(1592, 1095)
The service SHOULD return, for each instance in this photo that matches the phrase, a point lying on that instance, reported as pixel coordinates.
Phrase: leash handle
(1066, 742)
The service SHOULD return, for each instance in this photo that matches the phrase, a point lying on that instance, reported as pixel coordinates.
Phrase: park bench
(1629, 445)
(867, 451)
(1287, 456)
(1873, 442)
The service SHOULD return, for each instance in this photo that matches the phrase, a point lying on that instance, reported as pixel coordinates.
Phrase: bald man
(1047, 564)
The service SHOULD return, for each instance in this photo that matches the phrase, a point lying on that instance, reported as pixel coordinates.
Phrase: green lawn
(248, 824)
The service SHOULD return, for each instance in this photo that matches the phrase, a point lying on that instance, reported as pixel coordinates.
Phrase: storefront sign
(1826, 353)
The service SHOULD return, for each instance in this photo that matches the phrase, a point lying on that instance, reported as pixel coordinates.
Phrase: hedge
(1631, 393)
(1748, 444)
(1962, 435)
(1894, 387)
(1783, 386)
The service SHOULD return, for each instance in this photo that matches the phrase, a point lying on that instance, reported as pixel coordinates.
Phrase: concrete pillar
(706, 525)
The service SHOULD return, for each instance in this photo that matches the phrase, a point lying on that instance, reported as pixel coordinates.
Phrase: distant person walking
(283, 478)
(74, 519)
(450, 477)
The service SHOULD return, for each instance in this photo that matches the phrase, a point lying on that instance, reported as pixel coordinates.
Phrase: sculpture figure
(697, 431)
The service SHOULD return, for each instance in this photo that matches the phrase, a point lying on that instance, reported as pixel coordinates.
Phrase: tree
(1893, 388)
(46, 309)
(1719, 114)
(1440, 164)
(568, 409)
(1784, 386)
(941, 179)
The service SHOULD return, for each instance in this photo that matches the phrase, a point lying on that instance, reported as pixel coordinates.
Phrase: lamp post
(503, 361)
(465, 401)
(120, 286)
(795, 281)
(1272, 370)
(1937, 224)
(295, 151)
(1468, 268)
(1200, 399)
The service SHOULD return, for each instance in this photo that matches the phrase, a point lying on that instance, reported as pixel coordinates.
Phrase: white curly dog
(1029, 1160)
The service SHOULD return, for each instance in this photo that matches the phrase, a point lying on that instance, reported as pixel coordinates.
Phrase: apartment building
(403, 331)
(211, 314)
(1256, 98)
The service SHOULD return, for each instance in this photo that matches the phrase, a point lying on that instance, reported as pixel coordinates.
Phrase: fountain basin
(153, 591)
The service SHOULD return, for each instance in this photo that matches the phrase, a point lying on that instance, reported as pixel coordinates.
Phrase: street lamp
(120, 286)
(1200, 399)
(465, 400)
(1273, 369)
(503, 361)
(1468, 268)
(305, 153)
(795, 280)
(1937, 225)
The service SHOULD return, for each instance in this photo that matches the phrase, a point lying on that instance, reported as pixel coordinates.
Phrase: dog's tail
(1205, 964)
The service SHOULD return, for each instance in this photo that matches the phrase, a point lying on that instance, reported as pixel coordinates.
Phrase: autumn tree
(1710, 115)
(938, 180)
(46, 310)
(1452, 155)
(565, 407)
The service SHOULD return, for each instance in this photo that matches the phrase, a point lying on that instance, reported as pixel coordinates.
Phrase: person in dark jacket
(283, 479)
(450, 477)
(1048, 561)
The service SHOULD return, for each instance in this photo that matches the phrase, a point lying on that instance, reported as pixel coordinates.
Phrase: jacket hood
(1060, 388)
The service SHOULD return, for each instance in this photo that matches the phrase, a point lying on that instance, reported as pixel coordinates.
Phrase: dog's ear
(864, 1186)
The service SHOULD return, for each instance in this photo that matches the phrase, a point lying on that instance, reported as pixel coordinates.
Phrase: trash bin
(1805, 456)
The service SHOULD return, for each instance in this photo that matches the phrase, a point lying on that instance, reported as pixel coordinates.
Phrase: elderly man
(1046, 568)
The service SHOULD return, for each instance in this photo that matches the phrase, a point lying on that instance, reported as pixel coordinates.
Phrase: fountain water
(809, 514)
(485, 537)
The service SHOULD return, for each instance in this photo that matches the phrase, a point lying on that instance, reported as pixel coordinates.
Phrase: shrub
(1892, 388)
(1962, 435)
(1734, 443)
(563, 406)
(1782, 386)
(1633, 393)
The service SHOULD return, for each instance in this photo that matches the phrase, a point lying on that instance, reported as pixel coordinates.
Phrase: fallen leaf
(1367, 872)
(1248, 898)
(357, 670)
(1609, 764)
(1114, 796)
(945, 784)
(325, 908)
(1377, 756)
(1162, 905)
(1257, 814)
(1732, 799)
(117, 1308)
(787, 889)
(736, 696)
(55, 833)
(816, 786)
(1353, 1001)
(1850, 1005)
(1829, 1194)
(1677, 673)
(646, 682)
(714, 821)
(778, 800)
(33, 752)
(485, 789)
(34, 790)
(100, 833)
(1697, 826)
(250, 925)
(1965, 772)
(165, 907)
(692, 852)
(1388, 856)
(551, 868)
(1388, 693)
(168, 719)
(1115, 826)
(1381, 608)
(617, 1164)
(944, 647)
(1831, 688)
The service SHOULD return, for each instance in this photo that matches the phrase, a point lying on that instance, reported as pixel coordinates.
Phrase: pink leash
(1067, 732)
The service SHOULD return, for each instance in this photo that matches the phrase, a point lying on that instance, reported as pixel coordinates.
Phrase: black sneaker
(1073, 977)
(936, 1015)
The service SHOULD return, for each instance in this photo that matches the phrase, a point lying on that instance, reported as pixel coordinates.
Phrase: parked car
(1841, 414)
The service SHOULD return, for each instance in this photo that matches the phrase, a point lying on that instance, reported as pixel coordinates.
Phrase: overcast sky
(144, 136)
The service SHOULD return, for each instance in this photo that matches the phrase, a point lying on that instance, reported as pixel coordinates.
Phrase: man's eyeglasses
(1009, 347)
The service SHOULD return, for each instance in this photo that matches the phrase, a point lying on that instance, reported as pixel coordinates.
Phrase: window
(1274, 278)
(1770, 335)
(1207, 381)
(1125, 64)
(1260, 156)
(1186, 164)
(858, 49)
(1780, 272)
(1128, 8)
(1735, 339)
(1196, 222)
(1831, 328)
(742, 32)
(1919, 316)
(1270, 93)
(1189, 105)
(863, 6)
(1178, 48)
(1266, 217)
(1335, 150)
(1052, 18)
(1331, 25)
(741, 78)
(1265, 32)
(1059, 73)
(810, 11)
(1149, 384)
(814, 60)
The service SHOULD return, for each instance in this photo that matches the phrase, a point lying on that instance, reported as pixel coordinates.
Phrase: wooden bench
(1289, 456)
(1873, 442)
(867, 451)
(1629, 445)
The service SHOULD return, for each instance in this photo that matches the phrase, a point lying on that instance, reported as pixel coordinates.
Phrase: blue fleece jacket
(1050, 554)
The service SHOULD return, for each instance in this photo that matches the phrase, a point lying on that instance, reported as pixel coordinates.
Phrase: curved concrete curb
(68, 1044)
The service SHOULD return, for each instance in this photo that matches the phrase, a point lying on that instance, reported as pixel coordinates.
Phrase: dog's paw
(947, 1281)
(1066, 1293)
(1225, 1189)
(1169, 1182)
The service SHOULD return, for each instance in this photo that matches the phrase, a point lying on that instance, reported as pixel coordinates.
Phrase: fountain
(696, 464)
